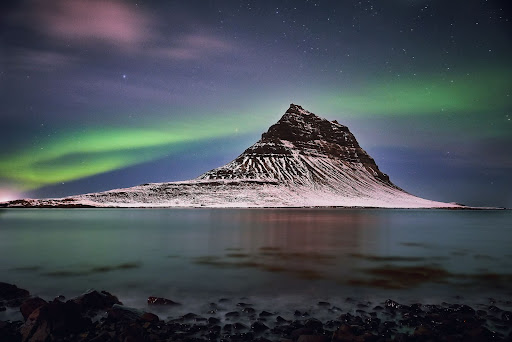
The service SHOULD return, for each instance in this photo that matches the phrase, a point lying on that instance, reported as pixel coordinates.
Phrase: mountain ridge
(302, 160)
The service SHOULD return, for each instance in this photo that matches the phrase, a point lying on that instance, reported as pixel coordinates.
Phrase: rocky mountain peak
(297, 135)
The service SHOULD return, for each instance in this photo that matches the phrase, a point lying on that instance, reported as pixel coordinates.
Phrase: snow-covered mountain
(301, 161)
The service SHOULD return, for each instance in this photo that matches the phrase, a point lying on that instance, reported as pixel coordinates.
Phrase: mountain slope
(302, 160)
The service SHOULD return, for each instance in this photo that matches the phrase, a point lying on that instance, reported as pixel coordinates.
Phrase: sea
(282, 259)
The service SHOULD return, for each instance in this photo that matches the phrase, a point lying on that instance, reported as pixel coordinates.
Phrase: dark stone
(258, 326)
(301, 331)
(2, 308)
(29, 305)
(494, 309)
(149, 317)
(61, 298)
(313, 338)
(280, 319)
(265, 314)
(9, 331)
(55, 318)
(233, 314)
(120, 313)
(506, 316)
(324, 304)
(161, 301)
(213, 320)
(243, 305)
(248, 310)
(94, 301)
(239, 326)
(391, 304)
(314, 324)
(228, 327)
(189, 316)
(12, 295)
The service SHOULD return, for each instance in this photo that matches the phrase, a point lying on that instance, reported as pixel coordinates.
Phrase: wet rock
(232, 314)
(265, 314)
(189, 316)
(313, 338)
(120, 313)
(346, 333)
(29, 305)
(301, 331)
(280, 319)
(378, 308)
(258, 327)
(61, 298)
(56, 319)
(324, 304)
(2, 308)
(248, 310)
(149, 317)
(161, 301)
(213, 320)
(391, 304)
(228, 327)
(239, 326)
(94, 301)
(243, 305)
(494, 309)
(314, 324)
(506, 316)
(9, 331)
(11, 295)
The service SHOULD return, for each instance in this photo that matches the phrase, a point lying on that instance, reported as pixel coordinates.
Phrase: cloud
(194, 46)
(110, 22)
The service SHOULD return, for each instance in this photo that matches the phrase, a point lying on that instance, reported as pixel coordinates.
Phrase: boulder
(12, 295)
(29, 305)
(161, 301)
(94, 301)
(54, 319)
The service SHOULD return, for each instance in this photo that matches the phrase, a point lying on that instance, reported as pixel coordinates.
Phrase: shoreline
(100, 316)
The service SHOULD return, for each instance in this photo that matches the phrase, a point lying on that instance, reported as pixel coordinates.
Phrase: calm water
(287, 255)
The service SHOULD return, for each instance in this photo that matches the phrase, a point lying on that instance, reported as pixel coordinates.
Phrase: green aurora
(78, 154)
(481, 91)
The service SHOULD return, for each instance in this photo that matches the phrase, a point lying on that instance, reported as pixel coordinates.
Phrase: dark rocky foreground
(99, 316)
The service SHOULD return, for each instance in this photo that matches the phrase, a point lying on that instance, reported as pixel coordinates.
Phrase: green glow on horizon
(419, 95)
(75, 155)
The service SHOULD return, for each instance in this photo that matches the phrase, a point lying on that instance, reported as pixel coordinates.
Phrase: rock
(122, 313)
(313, 338)
(506, 316)
(239, 326)
(94, 301)
(149, 317)
(346, 333)
(213, 320)
(265, 314)
(55, 318)
(232, 314)
(280, 319)
(301, 331)
(243, 305)
(324, 304)
(161, 301)
(314, 324)
(2, 308)
(29, 305)
(258, 326)
(9, 331)
(391, 304)
(248, 310)
(12, 295)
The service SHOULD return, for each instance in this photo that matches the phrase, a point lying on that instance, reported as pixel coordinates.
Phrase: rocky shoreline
(99, 316)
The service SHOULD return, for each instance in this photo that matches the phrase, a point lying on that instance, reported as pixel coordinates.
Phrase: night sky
(98, 95)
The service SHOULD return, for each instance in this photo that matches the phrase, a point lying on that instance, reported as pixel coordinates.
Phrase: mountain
(301, 161)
